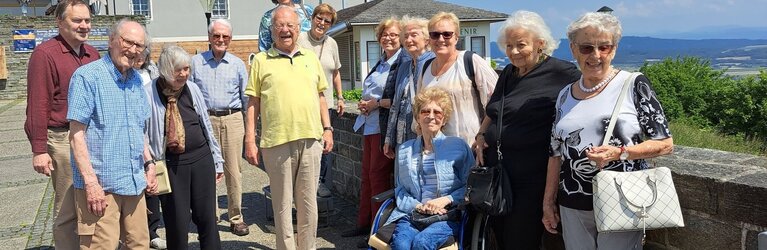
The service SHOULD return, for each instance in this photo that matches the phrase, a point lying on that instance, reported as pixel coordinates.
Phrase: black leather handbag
(488, 188)
(422, 221)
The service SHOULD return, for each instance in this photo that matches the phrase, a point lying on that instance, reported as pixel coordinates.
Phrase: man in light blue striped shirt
(222, 79)
(108, 110)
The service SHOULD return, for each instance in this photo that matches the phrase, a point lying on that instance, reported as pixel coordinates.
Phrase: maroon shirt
(50, 67)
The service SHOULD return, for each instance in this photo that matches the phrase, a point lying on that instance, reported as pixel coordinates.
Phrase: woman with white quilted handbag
(583, 111)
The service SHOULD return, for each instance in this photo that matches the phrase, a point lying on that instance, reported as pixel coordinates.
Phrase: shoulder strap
(616, 109)
(500, 122)
(468, 64)
(425, 66)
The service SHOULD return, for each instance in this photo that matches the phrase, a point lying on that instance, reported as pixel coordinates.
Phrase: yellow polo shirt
(289, 89)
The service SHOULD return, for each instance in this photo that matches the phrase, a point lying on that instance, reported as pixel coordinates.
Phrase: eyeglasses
(219, 36)
(390, 35)
(322, 20)
(445, 34)
(427, 112)
(587, 49)
(279, 26)
(129, 44)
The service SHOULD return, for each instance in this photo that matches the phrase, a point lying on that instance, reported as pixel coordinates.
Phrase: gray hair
(172, 58)
(414, 21)
(223, 22)
(114, 31)
(602, 22)
(531, 22)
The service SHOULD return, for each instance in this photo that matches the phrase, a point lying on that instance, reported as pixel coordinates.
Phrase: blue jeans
(406, 236)
(325, 161)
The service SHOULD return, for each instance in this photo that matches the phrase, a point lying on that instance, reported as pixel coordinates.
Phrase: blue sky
(640, 18)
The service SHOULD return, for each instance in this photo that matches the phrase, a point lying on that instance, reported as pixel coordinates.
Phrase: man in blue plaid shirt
(222, 79)
(108, 110)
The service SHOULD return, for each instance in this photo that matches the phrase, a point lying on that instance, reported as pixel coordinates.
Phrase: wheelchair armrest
(383, 196)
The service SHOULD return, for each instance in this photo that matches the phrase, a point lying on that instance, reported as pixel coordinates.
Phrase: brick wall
(16, 84)
(723, 195)
(240, 48)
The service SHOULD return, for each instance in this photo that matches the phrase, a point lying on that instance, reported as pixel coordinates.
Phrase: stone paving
(26, 200)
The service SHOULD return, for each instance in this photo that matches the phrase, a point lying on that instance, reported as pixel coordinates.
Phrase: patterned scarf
(175, 137)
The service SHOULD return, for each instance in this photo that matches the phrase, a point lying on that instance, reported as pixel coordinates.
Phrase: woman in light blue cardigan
(180, 132)
(430, 172)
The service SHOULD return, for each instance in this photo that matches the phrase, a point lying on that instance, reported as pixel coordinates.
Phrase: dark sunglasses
(587, 49)
(322, 20)
(445, 34)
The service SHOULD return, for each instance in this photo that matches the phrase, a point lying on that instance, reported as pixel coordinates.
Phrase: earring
(540, 50)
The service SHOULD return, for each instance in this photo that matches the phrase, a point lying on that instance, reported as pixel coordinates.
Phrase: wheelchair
(475, 232)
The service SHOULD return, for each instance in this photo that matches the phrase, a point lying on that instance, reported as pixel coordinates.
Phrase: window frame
(149, 8)
(377, 52)
(226, 9)
(482, 44)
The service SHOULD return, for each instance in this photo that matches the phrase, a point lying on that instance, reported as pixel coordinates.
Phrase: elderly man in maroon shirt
(50, 68)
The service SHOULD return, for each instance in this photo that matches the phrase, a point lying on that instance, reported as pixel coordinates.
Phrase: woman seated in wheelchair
(430, 172)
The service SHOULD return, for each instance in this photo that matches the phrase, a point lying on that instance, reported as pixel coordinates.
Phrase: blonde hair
(385, 24)
(325, 9)
(437, 95)
(445, 16)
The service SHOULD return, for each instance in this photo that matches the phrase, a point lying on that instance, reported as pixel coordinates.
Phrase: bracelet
(146, 164)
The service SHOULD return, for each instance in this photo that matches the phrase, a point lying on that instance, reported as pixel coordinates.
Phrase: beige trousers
(229, 130)
(124, 219)
(65, 222)
(293, 169)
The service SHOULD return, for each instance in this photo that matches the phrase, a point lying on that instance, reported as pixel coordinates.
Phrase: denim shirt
(453, 160)
(401, 113)
(156, 123)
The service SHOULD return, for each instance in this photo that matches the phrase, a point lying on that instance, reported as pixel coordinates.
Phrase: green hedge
(352, 94)
(693, 92)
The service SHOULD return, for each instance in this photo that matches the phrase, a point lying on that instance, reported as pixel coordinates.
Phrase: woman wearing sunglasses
(448, 71)
(527, 88)
(583, 110)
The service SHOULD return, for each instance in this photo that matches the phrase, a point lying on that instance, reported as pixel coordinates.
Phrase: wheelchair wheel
(482, 235)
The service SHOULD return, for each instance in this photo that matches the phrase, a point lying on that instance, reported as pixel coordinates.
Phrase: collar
(208, 55)
(311, 38)
(435, 142)
(393, 58)
(274, 52)
(65, 48)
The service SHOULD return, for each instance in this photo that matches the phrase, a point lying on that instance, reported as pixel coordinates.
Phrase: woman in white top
(448, 71)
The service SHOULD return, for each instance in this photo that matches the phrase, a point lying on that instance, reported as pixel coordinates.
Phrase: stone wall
(16, 85)
(723, 195)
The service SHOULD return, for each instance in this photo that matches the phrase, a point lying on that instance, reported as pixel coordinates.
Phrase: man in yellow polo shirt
(286, 90)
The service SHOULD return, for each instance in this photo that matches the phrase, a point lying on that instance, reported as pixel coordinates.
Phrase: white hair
(223, 22)
(115, 32)
(172, 58)
(274, 13)
(532, 22)
(602, 22)
(414, 21)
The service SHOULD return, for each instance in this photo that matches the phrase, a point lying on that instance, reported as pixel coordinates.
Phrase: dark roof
(377, 10)
(605, 9)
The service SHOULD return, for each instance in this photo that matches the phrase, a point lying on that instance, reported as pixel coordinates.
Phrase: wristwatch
(146, 164)
(624, 154)
(328, 128)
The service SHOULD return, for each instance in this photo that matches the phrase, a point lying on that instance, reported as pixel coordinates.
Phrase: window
(220, 9)
(141, 7)
(374, 54)
(459, 45)
(478, 45)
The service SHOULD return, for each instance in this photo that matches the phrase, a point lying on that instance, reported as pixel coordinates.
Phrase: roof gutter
(338, 28)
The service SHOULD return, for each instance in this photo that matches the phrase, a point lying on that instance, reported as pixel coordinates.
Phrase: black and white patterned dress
(581, 124)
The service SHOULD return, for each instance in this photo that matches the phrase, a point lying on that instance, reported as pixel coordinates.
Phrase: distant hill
(634, 50)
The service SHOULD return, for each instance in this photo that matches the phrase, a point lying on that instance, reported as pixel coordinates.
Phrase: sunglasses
(445, 34)
(427, 112)
(587, 49)
(322, 20)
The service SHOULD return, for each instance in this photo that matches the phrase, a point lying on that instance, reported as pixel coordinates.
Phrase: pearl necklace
(598, 86)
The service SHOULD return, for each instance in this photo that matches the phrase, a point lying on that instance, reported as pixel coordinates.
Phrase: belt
(223, 112)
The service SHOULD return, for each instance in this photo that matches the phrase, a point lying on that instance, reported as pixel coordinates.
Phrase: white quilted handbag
(639, 200)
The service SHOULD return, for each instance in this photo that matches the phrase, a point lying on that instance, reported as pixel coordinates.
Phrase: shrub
(352, 94)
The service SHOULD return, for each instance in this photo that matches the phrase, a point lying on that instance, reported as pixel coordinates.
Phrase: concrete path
(26, 200)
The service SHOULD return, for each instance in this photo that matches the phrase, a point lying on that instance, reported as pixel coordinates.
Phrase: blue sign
(23, 40)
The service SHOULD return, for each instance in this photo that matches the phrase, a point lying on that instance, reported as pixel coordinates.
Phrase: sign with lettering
(23, 40)
(469, 31)
(99, 37)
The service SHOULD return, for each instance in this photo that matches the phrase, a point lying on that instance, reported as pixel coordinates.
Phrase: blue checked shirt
(115, 112)
(222, 83)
